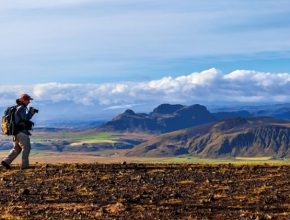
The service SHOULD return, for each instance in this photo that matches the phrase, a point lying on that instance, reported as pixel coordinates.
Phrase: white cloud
(184, 83)
(121, 106)
(199, 87)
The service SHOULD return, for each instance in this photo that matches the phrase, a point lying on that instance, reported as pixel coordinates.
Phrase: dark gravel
(146, 191)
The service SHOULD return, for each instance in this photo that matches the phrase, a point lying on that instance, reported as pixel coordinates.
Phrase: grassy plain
(96, 138)
(45, 152)
(75, 138)
(117, 156)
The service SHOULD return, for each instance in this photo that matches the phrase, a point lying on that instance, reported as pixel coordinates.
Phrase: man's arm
(22, 115)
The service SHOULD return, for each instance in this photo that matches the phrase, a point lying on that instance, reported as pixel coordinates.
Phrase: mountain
(246, 137)
(167, 109)
(129, 121)
(164, 118)
(270, 110)
(283, 112)
(227, 115)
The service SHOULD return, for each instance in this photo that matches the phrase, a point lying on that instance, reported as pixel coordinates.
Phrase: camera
(34, 110)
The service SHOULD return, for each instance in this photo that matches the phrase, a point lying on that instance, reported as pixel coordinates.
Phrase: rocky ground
(145, 191)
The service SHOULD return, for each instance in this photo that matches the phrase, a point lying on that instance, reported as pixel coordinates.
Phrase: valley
(169, 131)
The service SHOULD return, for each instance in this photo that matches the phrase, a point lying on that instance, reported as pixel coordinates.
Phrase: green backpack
(8, 121)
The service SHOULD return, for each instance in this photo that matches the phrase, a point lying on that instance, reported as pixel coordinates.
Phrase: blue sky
(97, 41)
(113, 54)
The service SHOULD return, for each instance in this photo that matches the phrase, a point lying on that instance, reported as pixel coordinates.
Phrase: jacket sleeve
(22, 115)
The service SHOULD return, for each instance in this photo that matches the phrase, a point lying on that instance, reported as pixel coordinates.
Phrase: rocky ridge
(250, 137)
(165, 118)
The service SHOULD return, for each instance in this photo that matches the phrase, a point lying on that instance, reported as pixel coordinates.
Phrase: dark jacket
(22, 120)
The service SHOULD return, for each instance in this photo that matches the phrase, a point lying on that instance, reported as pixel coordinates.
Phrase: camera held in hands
(34, 110)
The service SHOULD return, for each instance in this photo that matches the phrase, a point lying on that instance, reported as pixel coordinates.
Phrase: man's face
(26, 102)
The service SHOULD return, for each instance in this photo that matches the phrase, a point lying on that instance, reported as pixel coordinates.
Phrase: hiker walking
(21, 140)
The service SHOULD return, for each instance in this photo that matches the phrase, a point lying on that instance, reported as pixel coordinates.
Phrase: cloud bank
(208, 86)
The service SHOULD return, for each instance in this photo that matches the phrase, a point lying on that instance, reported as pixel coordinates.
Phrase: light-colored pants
(21, 142)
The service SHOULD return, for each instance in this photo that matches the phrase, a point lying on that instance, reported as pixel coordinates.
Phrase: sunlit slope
(239, 137)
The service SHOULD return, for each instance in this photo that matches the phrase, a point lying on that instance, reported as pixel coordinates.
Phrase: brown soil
(145, 191)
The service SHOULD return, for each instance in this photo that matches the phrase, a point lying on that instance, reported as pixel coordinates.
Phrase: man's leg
(24, 143)
(16, 150)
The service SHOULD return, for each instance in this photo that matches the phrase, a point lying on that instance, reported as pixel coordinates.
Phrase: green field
(71, 136)
(104, 137)
(46, 140)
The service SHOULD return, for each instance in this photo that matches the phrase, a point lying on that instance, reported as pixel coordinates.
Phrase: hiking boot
(6, 165)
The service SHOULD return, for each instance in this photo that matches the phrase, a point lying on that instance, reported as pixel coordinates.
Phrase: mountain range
(167, 118)
(243, 137)
(196, 131)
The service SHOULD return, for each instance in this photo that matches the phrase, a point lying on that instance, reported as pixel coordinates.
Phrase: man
(21, 140)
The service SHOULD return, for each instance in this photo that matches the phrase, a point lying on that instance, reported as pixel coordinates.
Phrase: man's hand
(31, 110)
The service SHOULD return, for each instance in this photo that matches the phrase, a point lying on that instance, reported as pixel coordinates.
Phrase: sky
(114, 54)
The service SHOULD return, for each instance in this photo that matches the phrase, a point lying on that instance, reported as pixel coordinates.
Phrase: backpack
(8, 121)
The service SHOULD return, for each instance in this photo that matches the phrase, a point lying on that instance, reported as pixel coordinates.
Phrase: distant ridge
(246, 137)
(195, 131)
(164, 118)
(166, 109)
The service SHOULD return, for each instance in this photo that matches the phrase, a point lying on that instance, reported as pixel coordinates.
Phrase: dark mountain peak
(196, 108)
(129, 121)
(164, 118)
(129, 112)
(198, 113)
(125, 115)
(186, 117)
(167, 109)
